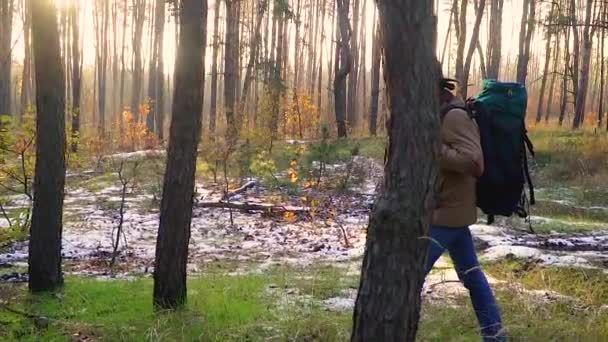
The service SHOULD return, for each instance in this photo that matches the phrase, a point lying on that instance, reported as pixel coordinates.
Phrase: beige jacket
(461, 163)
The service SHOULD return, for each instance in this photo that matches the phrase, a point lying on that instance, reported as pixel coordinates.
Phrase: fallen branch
(249, 207)
(239, 190)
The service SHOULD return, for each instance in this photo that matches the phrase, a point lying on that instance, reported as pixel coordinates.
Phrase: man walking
(461, 163)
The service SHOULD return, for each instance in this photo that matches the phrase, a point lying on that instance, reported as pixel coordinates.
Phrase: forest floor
(292, 274)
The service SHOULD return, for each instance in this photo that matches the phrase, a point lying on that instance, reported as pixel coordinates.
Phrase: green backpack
(500, 112)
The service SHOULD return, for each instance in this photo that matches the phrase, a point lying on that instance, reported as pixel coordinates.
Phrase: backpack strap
(466, 107)
(528, 147)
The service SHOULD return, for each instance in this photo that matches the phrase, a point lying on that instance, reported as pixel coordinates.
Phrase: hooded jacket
(461, 163)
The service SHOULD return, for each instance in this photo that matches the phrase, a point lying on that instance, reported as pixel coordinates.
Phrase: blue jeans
(459, 243)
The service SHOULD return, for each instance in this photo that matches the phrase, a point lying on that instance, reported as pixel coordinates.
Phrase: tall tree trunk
(472, 46)
(461, 36)
(320, 72)
(376, 60)
(566, 80)
(525, 39)
(26, 87)
(76, 76)
(178, 188)
(556, 63)
(115, 110)
(395, 254)
(230, 66)
(45, 233)
(581, 94)
(342, 67)
(602, 61)
(277, 75)
(495, 39)
(541, 96)
(6, 56)
(253, 53)
(139, 16)
(351, 109)
(214, 73)
(101, 19)
(576, 49)
(153, 70)
(123, 64)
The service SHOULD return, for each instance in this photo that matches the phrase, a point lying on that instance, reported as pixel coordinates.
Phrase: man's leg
(439, 240)
(462, 252)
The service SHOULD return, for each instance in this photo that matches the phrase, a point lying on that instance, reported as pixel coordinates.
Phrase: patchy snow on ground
(91, 219)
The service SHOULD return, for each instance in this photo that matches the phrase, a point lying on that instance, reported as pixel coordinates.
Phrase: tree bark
(581, 94)
(541, 96)
(26, 79)
(76, 77)
(567, 68)
(123, 65)
(230, 66)
(45, 233)
(155, 71)
(388, 302)
(472, 46)
(600, 111)
(6, 47)
(376, 60)
(253, 53)
(461, 35)
(178, 190)
(139, 10)
(342, 66)
(556, 62)
(214, 68)
(525, 39)
(495, 39)
(351, 106)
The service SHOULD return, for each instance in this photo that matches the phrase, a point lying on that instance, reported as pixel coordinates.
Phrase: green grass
(588, 286)
(283, 304)
(219, 308)
(566, 157)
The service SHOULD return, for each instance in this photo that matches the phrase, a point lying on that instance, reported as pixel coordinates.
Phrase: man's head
(447, 86)
(446, 90)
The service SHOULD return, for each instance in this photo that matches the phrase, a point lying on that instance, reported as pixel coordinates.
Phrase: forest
(257, 170)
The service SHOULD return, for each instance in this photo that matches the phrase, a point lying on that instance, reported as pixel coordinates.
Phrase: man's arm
(461, 150)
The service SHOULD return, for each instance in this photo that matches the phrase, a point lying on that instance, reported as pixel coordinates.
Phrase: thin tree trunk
(123, 63)
(6, 56)
(394, 261)
(154, 74)
(343, 66)
(45, 234)
(230, 66)
(214, 67)
(567, 67)
(139, 9)
(602, 61)
(461, 35)
(26, 94)
(495, 39)
(178, 190)
(376, 60)
(556, 62)
(581, 94)
(472, 46)
(320, 72)
(253, 53)
(351, 111)
(541, 96)
(525, 39)
(76, 77)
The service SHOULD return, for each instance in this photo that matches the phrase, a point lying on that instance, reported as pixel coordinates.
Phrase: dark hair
(447, 84)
